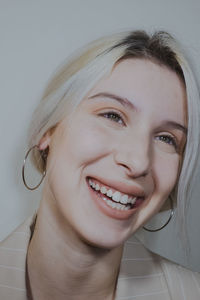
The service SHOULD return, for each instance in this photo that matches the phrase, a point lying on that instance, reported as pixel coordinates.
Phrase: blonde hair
(80, 72)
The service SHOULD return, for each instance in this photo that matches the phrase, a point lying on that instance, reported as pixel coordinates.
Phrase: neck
(61, 265)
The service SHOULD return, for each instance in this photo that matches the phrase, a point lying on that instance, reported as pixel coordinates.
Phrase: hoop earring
(44, 156)
(169, 219)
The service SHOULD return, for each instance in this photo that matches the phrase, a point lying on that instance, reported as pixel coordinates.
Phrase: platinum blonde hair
(73, 80)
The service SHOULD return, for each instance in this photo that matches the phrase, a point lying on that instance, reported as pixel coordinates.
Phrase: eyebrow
(127, 103)
(124, 101)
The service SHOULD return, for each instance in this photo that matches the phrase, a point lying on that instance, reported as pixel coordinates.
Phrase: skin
(129, 147)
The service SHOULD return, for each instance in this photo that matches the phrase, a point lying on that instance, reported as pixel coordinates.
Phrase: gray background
(35, 36)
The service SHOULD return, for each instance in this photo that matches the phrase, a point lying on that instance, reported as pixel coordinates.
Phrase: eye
(113, 116)
(168, 139)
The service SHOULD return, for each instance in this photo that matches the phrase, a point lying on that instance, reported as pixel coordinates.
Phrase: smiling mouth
(113, 198)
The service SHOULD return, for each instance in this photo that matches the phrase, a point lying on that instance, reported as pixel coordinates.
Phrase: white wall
(35, 36)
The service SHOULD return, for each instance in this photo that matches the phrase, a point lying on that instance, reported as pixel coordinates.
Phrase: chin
(104, 244)
(108, 239)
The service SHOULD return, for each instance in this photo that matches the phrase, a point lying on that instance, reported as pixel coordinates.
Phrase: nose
(134, 157)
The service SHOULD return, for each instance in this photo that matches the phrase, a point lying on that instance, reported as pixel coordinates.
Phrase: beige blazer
(143, 275)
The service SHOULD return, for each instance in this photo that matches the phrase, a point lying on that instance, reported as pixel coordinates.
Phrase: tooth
(114, 205)
(90, 182)
(132, 200)
(109, 203)
(117, 207)
(105, 199)
(103, 190)
(93, 184)
(116, 196)
(124, 199)
(97, 187)
(109, 193)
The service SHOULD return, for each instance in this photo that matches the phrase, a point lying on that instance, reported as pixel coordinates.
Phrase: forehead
(148, 85)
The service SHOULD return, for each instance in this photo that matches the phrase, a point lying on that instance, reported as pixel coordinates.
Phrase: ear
(44, 141)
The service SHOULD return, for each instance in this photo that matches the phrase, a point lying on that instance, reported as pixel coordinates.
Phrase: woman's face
(116, 158)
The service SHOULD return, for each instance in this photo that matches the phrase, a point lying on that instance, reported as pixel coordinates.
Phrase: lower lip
(109, 211)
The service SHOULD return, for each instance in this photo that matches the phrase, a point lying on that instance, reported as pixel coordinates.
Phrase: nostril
(135, 174)
(134, 170)
(125, 166)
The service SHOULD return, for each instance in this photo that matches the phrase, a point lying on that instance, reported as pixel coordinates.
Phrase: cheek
(72, 149)
(85, 144)
(166, 172)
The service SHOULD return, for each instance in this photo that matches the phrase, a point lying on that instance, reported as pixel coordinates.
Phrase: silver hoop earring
(44, 156)
(169, 219)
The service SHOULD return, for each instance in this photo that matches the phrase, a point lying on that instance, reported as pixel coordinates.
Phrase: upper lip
(130, 189)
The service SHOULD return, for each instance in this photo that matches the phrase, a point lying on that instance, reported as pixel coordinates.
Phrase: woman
(112, 139)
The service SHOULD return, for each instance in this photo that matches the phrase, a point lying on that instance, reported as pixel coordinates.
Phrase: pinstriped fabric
(184, 283)
(13, 263)
(143, 275)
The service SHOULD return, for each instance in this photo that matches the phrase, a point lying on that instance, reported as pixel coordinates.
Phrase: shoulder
(20, 235)
(146, 275)
(13, 252)
(181, 280)
(141, 275)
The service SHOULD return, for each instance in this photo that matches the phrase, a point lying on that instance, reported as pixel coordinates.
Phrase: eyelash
(114, 116)
(171, 140)
(117, 117)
